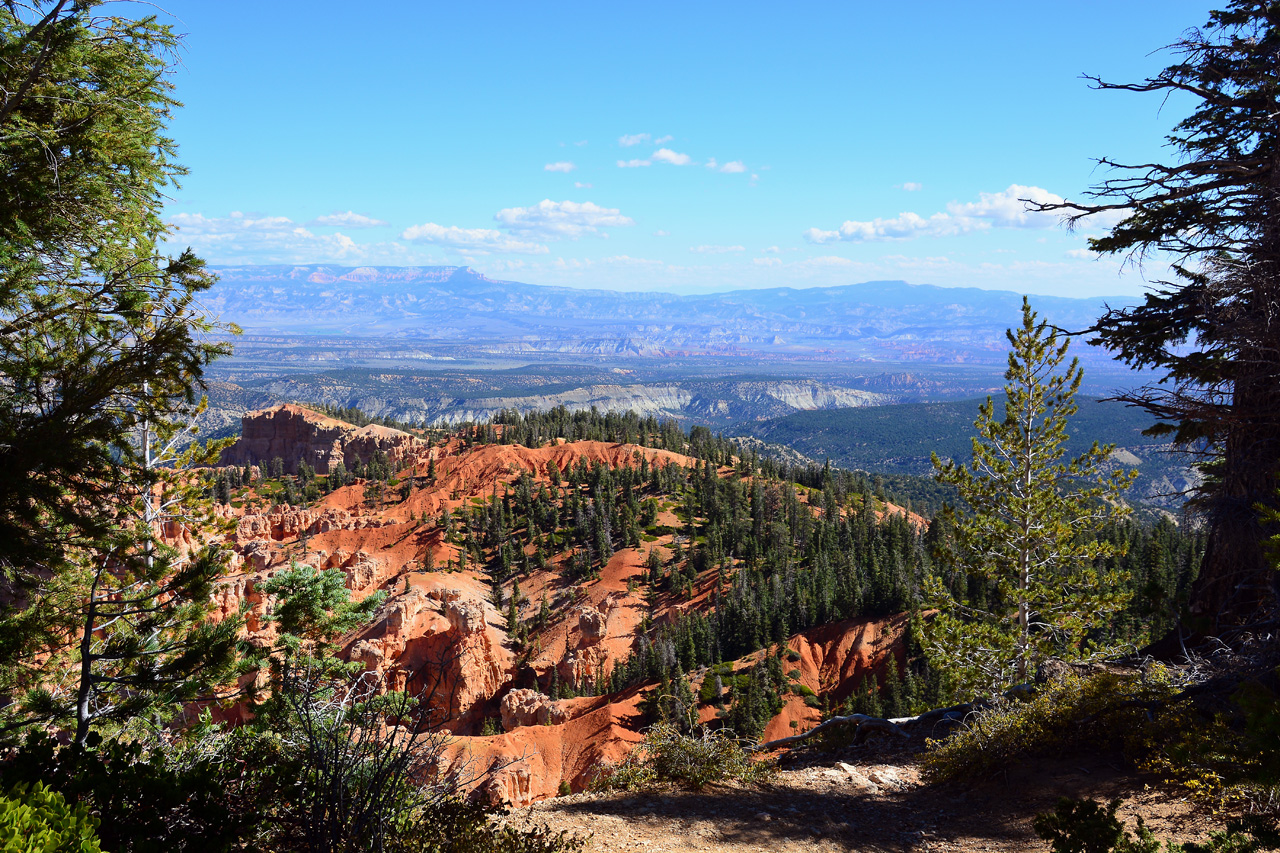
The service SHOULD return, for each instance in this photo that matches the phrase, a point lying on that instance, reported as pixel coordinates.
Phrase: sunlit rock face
(295, 434)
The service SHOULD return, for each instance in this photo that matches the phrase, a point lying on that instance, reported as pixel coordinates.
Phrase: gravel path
(850, 805)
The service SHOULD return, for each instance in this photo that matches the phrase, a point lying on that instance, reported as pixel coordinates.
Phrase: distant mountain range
(880, 320)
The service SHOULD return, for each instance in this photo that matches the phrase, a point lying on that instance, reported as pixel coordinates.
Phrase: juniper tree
(102, 352)
(1027, 538)
(99, 331)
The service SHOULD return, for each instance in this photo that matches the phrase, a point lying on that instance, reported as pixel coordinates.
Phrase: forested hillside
(731, 554)
(900, 439)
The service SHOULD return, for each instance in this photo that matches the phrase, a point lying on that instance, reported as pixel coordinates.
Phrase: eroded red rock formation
(437, 632)
(294, 434)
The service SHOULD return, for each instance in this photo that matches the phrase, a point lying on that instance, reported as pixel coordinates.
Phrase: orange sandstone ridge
(439, 627)
(295, 434)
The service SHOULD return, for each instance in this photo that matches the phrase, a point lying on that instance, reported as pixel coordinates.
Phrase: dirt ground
(861, 800)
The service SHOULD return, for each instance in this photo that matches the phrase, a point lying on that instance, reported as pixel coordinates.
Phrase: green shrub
(1221, 751)
(666, 755)
(149, 800)
(1231, 757)
(452, 825)
(1076, 712)
(1086, 826)
(34, 819)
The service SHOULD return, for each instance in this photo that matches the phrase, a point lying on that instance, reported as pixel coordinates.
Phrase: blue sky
(665, 146)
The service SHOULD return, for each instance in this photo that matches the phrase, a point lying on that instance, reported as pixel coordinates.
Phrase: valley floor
(861, 802)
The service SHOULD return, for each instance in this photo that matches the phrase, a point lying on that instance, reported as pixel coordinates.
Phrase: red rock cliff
(294, 433)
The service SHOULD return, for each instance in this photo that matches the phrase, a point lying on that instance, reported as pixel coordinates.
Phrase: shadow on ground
(808, 805)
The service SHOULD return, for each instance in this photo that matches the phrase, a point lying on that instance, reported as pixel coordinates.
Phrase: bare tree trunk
(84, 689)
(1024, 555)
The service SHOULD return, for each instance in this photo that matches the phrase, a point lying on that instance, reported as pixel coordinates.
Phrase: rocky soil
(861, 800)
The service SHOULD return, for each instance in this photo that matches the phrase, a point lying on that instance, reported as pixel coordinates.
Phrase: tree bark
(1238, 581)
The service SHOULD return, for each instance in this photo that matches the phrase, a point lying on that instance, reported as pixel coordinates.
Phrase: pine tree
(121, 629)
(513, 618)
(1210, 332)
(1029, 508)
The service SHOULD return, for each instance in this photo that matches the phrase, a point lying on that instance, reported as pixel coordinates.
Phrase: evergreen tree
(1211, 331)
(1023, 537)
(103, 348)
(338, 476)
(312, 610)
(121, 630)
(98, 331)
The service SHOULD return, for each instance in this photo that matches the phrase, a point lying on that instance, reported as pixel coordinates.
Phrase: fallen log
(867, 724)
(864, 722)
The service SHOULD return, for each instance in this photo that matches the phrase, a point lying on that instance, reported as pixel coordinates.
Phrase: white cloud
(480, 240)
(580, 143)
(1007, 209)
(666, 155)
(245, 238)
(911, 187)
(629, 139)
(350, 219)
(558, 219)
(580, 185)
(562, 166)
(716, 250)
(773, 250)
(767, 262)
(827, 261)
(661, 233)
(662, 139)
(992, 210)
(733, 167)
(711, 164)
(1083, 254)
(199, 225)
(901, 227)
(627, 260)
(495, 265)
(632, 164)
(927, 263)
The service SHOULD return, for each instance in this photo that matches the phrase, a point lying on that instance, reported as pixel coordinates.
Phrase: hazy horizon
(708, 290)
